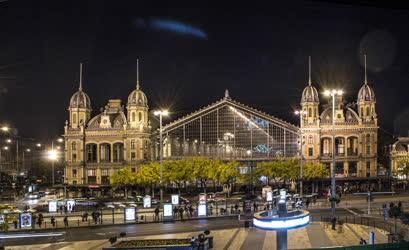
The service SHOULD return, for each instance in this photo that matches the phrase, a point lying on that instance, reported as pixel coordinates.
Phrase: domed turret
(309, 102)
(80, 106)
(310, 94)
(80, 99)
(137, 98)
(366, 94)
(366, 101)
(137, 107)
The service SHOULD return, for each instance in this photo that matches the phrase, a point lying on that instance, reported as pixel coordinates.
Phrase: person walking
(157, 213)
(66, 221)
(52, 219)
(181, 213)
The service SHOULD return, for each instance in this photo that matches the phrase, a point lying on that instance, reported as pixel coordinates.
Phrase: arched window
(133, 116)
(309, 112)
(74, 118)
(140, 116)
(368, 138)
(315, 112)
(73, 146)
(310, 139)
(362, 111)
(367, 111)
(133, 144)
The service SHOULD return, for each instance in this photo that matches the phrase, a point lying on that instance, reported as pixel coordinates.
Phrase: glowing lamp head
(52, 155)
(60, 140)
(163, 112)
(327, 92)
(8, 140)
(6, 148)
(248, 152)
(28, 150)
(38, 145)
(5, 128)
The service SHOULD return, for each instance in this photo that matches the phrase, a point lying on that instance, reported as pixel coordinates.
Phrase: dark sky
(260, 53)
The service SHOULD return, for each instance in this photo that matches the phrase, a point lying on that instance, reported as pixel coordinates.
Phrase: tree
(280, 170)
(201, 170)
(178, 172)
(312, 171)
(228, 173)
(149, 175)
(124, 178)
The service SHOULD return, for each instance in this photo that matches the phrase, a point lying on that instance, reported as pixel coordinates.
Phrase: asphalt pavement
(131, 230)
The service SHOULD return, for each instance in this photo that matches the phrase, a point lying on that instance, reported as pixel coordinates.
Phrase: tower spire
(309, 70)
(137, 74)
(80, 88)
(366, 78)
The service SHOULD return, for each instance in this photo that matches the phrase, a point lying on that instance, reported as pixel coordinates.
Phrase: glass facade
(229, 130)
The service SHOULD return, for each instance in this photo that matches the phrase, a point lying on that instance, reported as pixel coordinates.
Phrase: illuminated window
(310, 139)
(133, 116)
(140, 116)
(133, 144)
(74, 157)
(310, 151)
(104, 172)
(74, 146)
(74, 118)
(74, 173)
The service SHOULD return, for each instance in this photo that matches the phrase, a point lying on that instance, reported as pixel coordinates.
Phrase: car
(33, 196)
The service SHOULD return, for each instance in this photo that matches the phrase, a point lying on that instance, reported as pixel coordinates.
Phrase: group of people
(187, 209)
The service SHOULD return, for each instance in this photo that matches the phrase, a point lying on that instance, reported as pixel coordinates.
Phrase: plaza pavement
(317, 234)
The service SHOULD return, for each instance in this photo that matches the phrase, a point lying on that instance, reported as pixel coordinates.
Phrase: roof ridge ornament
(309, 70)
(366, 77)
(80, 87)
(137, 74)
(226, 95)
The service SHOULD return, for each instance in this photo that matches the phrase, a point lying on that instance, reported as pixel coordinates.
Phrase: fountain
(281, 220)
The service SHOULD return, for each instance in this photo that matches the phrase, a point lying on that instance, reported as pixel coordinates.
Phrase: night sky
(189, 54)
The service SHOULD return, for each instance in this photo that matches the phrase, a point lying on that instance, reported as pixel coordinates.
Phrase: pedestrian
(175, 211)
(187, 211)
(191, 211)
(236, 207)
(255, 206)
(307, 203)
(65, 209)
(334, 222)
(66, 221)
(211, 209)
(52, 219)
(157, 213)
(181, 213)
(15, 223)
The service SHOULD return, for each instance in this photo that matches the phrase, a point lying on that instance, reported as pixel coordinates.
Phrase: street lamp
(1, 159)
(52, 155)
(333, 93)
(5, 129)
(38, 145)
(301, 114)
(27, 150)
(161, 113)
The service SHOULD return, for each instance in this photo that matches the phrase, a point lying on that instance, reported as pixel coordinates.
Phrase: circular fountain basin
(269, 220)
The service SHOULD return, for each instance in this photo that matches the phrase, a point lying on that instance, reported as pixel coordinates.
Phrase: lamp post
(27, 150)
(333, 93)
(52, 156)
(301, 114)
(1, 157)
(161, 113)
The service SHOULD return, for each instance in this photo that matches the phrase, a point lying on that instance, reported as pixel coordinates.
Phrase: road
(105, 232)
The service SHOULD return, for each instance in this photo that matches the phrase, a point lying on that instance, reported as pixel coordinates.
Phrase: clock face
(105, 121)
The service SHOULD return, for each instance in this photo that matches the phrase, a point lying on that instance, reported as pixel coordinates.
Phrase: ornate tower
(80, 107)
(366, 101)
(310, 103)
(137, 107)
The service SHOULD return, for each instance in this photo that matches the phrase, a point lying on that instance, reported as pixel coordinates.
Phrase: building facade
(355, 131)
(96, 147)
(398, 151)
